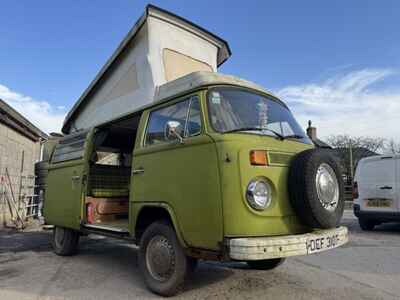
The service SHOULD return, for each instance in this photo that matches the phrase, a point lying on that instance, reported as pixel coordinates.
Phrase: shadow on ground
(104, 259)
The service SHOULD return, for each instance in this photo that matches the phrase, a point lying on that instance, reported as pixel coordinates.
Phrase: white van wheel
(366, 224)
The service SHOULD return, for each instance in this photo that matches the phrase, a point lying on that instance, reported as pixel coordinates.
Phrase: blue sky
(317, 55)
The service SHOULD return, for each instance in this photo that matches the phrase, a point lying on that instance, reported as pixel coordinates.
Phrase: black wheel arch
(151, 213)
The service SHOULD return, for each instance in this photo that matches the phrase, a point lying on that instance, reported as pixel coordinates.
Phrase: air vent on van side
(279, 158)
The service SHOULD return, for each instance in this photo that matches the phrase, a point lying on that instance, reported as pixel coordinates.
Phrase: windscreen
(232, 109)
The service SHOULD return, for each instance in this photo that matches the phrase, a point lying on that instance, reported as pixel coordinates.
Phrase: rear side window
(186, 112)
(69, 148)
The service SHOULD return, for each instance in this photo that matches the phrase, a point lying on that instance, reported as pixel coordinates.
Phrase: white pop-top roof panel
(161, 47)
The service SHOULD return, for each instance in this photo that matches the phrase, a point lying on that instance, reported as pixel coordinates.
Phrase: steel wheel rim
(327, 187)
(160, 258)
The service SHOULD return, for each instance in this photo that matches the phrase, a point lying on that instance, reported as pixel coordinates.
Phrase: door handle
(137, 171)
(385, 187)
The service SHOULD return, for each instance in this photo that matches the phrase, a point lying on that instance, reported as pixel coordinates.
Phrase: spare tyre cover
(316, 190)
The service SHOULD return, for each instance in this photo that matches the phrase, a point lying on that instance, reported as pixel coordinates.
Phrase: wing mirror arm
(180, 138)
(174, 131)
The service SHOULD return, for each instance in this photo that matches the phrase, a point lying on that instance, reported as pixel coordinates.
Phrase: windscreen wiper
(294, 136)
(280, 136)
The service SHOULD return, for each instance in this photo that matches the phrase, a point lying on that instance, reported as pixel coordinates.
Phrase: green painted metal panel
(66, 188)
(186, 177)
(239, 218)
(63, 194)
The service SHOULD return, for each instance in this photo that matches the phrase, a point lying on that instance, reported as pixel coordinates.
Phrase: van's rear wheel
(366, 224)
(265, 264)
(65, 241)
(162, 260)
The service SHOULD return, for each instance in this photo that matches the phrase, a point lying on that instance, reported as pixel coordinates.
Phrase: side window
(186, 112)
(69, 148)
(193, 125)
(159, 118)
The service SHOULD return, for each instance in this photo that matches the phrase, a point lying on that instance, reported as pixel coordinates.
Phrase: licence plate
(322, 242)
(379, 202)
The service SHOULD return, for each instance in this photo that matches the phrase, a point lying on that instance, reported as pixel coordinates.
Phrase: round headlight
(258, 194)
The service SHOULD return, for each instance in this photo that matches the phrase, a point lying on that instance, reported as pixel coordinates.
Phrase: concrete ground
(368, 267)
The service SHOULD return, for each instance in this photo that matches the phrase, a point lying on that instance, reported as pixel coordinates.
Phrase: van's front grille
(279, 158)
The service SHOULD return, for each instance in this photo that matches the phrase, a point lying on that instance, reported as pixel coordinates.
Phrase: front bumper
(257, 248)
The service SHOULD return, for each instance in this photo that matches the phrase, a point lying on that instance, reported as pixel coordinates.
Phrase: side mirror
(173, 131)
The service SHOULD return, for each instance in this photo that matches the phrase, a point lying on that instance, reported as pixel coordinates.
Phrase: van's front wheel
(65, 241)
(265, 264)
(162, 260)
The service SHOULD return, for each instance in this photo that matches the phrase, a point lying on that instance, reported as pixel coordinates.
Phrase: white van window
(380, 170)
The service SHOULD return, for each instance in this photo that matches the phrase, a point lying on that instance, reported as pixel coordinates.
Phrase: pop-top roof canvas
(160, 48)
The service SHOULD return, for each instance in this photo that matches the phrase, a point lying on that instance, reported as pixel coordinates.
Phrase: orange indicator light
(258, 158)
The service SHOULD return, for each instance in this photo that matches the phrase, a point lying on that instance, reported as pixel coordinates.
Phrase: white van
(376, 190)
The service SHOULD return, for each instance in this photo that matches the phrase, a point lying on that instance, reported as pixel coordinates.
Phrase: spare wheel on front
(316, 189)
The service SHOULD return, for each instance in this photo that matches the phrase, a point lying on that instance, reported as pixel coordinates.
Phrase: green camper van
(217, 168)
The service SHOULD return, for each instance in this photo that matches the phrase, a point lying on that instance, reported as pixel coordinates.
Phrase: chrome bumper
(256, 248)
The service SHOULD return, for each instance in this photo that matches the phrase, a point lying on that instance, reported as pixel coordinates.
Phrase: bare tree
(345, 141)
(391, 146)
(350, 149)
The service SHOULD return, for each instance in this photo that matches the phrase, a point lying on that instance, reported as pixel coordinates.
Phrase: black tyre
(162, 261)
(42, 165)
(265, 264)
(65, 241)
(41, 172)
(366, 224)
(316, 189)
(44, 171)
(41, 180)
(41, 169)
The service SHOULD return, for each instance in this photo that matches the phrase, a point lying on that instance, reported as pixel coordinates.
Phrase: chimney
(311, 131)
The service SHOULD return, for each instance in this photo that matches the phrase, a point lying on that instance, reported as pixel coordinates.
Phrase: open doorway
(108, 184)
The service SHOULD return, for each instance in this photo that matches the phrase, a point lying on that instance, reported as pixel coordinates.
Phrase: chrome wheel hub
(327, 187)
(160, 258)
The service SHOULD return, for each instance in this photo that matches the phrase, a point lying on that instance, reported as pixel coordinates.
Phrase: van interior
(109, 176)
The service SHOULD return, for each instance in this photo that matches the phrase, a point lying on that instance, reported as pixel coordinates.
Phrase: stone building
(20, 148)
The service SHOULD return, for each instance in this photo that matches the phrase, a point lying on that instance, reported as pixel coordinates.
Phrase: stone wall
(13, 148)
